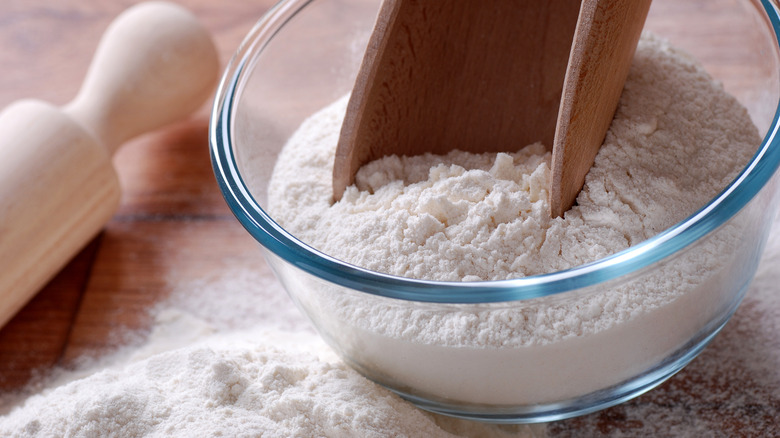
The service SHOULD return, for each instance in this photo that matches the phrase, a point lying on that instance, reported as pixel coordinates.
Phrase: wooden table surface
(171, 210)
(173, 224)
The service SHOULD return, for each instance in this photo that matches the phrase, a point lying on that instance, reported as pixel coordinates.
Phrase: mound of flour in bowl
(677, 139)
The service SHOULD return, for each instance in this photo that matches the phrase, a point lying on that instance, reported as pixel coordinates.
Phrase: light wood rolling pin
(154, 65)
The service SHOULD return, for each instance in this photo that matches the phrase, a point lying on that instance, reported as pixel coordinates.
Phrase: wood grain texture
(57, 189)
(166, 176)
(139, 263)
(173, 225)
(34, 340)
(601, 55)
(498, 71)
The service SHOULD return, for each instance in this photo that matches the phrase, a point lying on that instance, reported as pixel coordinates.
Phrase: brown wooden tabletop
(171, 207)
(173, 223)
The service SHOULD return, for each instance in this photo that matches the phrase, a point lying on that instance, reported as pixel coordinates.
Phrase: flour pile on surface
(225, 387)
(246, 364)
(702, 403)
(696, 402)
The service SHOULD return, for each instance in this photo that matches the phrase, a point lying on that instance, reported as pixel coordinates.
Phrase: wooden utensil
(154, 65)
(604, 44)
(488, 77)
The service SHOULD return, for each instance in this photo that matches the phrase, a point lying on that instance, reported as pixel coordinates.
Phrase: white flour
(677, 139)
(228, 356)
(231, 388)
(245, 365)
(246, 306)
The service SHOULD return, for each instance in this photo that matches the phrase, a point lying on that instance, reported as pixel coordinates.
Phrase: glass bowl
(303, 55)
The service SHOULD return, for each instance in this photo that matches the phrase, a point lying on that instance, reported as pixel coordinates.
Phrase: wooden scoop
(155, 65)
(488, 77)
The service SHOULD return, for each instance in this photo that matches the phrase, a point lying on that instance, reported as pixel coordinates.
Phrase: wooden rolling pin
(154, 65)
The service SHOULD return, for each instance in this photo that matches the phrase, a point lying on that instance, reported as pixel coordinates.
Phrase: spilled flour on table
(732, 389)
(734, 383)
(229, 357)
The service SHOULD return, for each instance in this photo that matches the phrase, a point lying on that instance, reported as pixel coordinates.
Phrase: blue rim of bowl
(284, 245)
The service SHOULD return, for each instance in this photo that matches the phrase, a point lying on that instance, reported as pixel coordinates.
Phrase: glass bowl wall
(303, 55)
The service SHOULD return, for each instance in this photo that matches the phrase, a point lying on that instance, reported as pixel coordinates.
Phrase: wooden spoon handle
(603, 49)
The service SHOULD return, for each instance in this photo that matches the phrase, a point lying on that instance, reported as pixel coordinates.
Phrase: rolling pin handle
(155, 65)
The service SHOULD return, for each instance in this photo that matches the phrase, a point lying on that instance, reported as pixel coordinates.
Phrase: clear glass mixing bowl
(302, 55)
